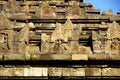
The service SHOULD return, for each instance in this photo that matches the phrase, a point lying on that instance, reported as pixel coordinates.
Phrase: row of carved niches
(64, 39)
(47, 10)
(108, 43)
(44, 9)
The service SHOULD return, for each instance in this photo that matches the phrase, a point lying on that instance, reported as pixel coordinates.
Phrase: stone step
(62, 57)
(59, 72)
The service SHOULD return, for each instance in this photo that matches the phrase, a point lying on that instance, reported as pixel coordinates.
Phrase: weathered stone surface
(79, 57)
(109, 12)
(41, 57)
(26, 71)
(45, 11)
(17, 16)
(55, 71)
(114, 56)
(7, 39)
(77, 72)
(6, 72)
(33, 71)
(113, 31)
(11, 56)
(24, 34)
(26, 9)
(74, 11)
(66, 72)
(98, 57)
(92, 72)
(110, 72)
(18, 71)
(44, 72)
(34, 49)
(68, 29)
(12, 6)
(60, 56)
(98, 42)
(1, 38)
(58, 33)
(1, 57)
(44, 43)
(76, 32)
(112, 44)
(4, 22)
(63, 32)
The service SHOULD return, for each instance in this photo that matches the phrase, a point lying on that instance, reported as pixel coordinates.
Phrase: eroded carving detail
(98, 42)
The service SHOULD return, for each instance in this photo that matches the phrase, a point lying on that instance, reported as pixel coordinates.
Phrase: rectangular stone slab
(79, 57)
(11, 56)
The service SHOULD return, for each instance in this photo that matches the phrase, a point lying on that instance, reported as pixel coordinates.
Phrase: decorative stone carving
(13, 6)
(68, 30)
(63, 32)
(112, 44)
(76, 32)
(58, 33)
(4, 22)
(109, 12)
(113, 31)
(24, 34)
(45, 11)
(26, 8)
(44, 43)
(74, 11)
(98, 42)
(7, 37)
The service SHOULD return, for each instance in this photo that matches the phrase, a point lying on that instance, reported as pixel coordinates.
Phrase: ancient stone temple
(58, 39)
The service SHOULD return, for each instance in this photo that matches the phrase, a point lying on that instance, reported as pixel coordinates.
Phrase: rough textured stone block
(18, 71)
(115, 57)
(98, 57)
(92, 72)
(44, 71)
(111, 72)
(14, 56)
(60, 56)
(79, 57)
(55, 71)
(41, 57)
(66, 71)
(77, 72)
(33, 71)
(6, 72)
(1, 57)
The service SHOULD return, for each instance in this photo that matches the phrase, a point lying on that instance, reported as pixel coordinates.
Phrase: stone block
(36, 71)
(111, 72)
(44, 72)
(60, 56)
(14, 56)
(41, 57)
(79, 57)
(92, 72)
(6, 72)
(66, 72)
(18, 71)
(1, 57)
(115, 57)
(77, 72)
(55, 71)
(98, 56)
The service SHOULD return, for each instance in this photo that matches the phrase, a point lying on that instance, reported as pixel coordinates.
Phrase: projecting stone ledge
(14, 57)
(55, 57)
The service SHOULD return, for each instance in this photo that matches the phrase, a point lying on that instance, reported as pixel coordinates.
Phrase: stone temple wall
(49, 39)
